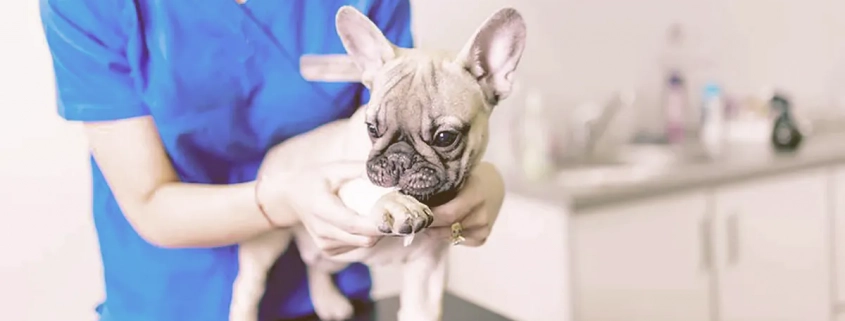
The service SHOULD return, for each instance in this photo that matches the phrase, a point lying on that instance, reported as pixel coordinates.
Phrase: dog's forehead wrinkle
(425, 90)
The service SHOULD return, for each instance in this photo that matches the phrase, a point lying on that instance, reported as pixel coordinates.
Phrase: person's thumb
(341, 172)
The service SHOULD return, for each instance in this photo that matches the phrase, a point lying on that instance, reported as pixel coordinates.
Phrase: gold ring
(457, 234)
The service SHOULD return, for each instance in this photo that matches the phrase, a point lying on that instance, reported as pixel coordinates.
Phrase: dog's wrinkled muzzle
(387, 169)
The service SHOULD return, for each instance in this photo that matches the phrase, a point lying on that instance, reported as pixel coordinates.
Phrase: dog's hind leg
(329, 303)
(255, 258)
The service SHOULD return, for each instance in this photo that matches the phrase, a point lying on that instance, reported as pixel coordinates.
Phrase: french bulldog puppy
(422, 132)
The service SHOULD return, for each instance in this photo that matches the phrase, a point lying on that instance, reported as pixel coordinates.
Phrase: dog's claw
(384, 228)
(386, 225)
(408, 239)
(420, 224)
(402, 214)
(406, 228)
(416, 222)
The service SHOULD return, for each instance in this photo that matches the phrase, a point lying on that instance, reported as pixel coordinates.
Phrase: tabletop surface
(454, 309)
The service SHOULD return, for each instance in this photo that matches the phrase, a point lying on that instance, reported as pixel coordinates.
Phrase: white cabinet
(644, 261)
(772, 249)
(521, 272)
(753, 251)
(838, 193)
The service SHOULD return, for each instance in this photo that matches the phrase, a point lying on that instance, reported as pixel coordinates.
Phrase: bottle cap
(712, 90)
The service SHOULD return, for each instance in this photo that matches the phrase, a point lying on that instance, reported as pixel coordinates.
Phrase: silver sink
(632, 164)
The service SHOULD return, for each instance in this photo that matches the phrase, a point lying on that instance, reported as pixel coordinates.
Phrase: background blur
(607, 217)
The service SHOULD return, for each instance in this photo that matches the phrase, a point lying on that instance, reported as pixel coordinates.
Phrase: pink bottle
(675, 108)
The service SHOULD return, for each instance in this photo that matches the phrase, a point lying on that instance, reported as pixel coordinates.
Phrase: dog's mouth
(417, 179)
(422, 181)
(432, 199)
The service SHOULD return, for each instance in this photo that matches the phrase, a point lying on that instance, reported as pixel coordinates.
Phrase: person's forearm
(163, 210)
(180, 215)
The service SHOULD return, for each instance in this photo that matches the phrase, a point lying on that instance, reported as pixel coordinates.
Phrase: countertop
(454, 309)
(737, 163)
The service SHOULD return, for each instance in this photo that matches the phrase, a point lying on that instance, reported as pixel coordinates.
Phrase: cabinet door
(530, 249)
(838, 194)
(773, 249)
(645, 261)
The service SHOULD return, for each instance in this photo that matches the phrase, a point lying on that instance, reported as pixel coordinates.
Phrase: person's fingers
(332, 247)
(340, 250)
(333, 237)
(469, 199)
(456, 210)
(340, 172)
(442, 233)
(476, 228)
(331, 210)
(474, 237)
(473, 222)
(477, 219)
(329, 236)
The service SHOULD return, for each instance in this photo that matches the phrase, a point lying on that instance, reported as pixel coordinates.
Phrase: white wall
(580, 50)
(49, 266)
(49, 263)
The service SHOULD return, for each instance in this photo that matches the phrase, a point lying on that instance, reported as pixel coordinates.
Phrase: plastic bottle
(713, 118)
(536, 142)
(674, 109)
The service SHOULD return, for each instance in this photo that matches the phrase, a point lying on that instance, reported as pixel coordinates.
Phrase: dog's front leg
(329, 303)
(255, 258)
(424, 282)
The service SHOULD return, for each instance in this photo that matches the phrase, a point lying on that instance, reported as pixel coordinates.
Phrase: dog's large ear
(493, 53)
(364, 42)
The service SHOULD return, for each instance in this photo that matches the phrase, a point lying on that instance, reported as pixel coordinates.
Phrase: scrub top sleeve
(393, 18)
(88, 44)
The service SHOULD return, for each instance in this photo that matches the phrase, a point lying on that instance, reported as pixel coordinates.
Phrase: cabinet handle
(706, 233)
(733, 238)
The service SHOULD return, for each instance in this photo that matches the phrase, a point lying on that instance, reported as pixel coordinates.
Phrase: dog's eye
(445, 138)
(372, 130)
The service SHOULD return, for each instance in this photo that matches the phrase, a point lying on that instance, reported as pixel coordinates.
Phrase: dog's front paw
(405, 314)
(331, 305)
(401, 214)
(242, 313)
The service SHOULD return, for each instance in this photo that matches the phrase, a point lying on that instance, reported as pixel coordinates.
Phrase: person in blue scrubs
(180, 102)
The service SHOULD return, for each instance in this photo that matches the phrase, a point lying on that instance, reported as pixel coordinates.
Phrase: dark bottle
(786, 136)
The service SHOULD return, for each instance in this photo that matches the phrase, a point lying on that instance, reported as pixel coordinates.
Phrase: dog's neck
(441, 198)
(444, 197)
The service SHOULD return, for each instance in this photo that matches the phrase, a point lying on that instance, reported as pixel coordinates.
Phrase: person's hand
(312, 196)
(476, 207)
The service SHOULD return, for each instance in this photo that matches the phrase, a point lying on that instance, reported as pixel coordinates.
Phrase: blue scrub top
(222, 82)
